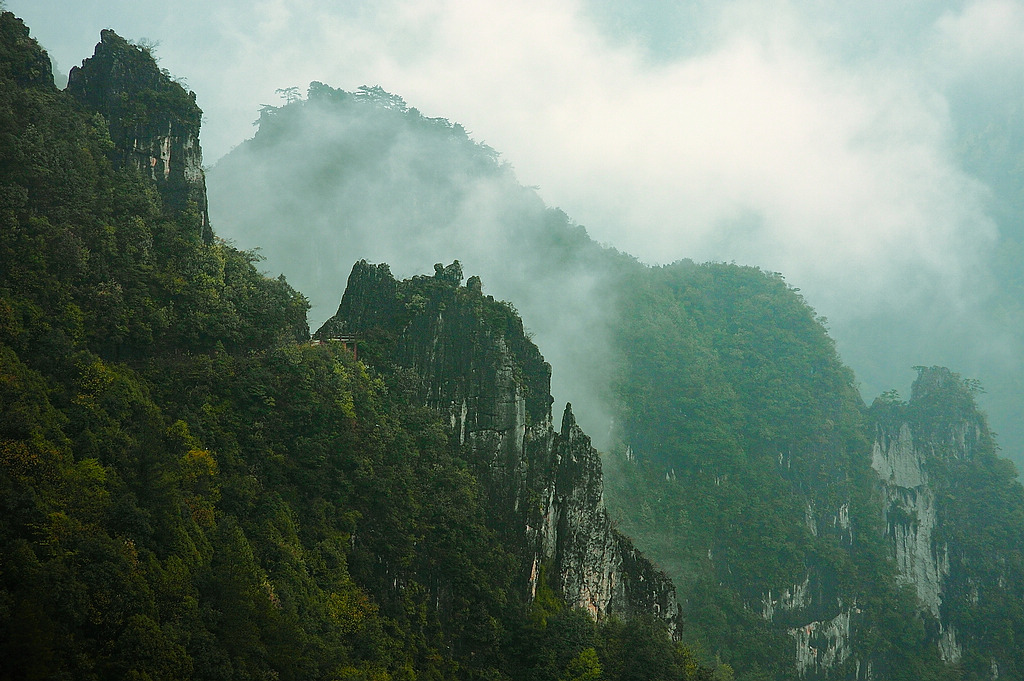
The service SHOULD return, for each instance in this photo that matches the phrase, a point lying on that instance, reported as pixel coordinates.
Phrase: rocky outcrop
(818, 622)
(924, 450)
(822, 645)
(153, 121)
(21, 58)
(923, 453)
(911, 514)
(471, 360)
(595, 566)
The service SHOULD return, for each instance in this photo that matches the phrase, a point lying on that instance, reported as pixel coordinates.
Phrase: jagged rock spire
(154, 122)
(477, 367)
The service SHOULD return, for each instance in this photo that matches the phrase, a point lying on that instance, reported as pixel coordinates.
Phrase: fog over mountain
(872, 155)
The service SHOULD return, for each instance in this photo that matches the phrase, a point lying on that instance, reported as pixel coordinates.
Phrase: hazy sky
(817, 143)
(821, 140)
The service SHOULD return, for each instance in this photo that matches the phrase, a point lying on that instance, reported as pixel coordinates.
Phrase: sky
(870, 152)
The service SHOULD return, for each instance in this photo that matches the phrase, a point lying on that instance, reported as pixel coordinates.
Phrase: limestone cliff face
(595, 566)
(468, 357)
(820, 619)
(154, 122)
(948, 537)
(819, 623)
(911, 514)
(928, 454)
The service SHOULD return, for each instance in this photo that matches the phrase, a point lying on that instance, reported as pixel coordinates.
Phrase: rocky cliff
(949, 504)
(468, 356)
(153, 121)
(226, 501)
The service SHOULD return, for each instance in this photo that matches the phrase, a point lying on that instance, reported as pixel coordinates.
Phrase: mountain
(152, 121)
(953, 512)
(543, 488)
(740, 455)
(341, 177)
(192, 489)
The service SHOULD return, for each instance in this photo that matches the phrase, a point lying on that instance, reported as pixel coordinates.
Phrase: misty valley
(356, 404)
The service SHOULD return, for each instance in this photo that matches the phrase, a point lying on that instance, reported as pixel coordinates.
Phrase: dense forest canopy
(742, 456)
(193, 489)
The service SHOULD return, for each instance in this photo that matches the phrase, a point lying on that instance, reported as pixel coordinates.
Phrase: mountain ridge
(191, 489)
(480, 371)
(740, 448)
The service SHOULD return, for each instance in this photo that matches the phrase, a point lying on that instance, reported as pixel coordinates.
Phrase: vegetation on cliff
(467, 356)
(748, 477)
(191, 490)
(742, 451)
(978, 511)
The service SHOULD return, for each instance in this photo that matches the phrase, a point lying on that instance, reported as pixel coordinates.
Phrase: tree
(583, 667)
(289, 94)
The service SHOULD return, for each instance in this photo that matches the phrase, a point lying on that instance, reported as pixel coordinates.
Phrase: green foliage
(747, 445)
(192, 490)
(584, 667)
(981, 512)
(558, 643)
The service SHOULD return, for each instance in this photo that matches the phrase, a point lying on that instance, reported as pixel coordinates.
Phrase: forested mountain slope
(467, 356)
(189, 488)
(804, 533)
(742, 458)
(344, 176)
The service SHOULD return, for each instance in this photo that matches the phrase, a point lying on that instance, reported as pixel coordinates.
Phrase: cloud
(761, 147)
(984, 34)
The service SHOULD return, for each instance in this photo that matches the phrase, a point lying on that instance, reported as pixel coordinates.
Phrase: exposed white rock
(786, 459)
(793, 598)
(821, 646)
(843, 516)
(949, 649)
(810, 520)
(896, 460)
(920, 562)
(910, 516)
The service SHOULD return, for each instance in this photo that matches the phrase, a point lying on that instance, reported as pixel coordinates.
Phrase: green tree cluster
(189, 489)
(748, 444)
